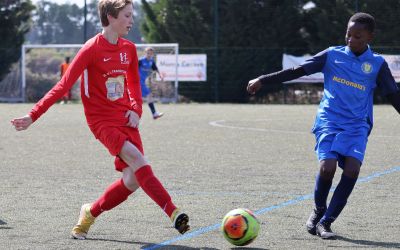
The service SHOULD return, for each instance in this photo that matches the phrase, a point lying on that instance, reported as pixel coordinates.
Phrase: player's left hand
(133, 119)
(253, 86)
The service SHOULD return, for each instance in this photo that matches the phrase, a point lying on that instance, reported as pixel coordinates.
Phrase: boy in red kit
(111, 97)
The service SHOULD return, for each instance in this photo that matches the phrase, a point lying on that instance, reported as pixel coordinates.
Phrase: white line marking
(218, 124)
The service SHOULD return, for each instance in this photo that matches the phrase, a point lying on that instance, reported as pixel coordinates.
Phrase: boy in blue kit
(344, 119)
(146, 67)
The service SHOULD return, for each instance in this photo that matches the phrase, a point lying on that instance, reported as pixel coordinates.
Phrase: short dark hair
(364, 18)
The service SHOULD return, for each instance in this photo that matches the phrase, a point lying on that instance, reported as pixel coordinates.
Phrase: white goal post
(162, 91)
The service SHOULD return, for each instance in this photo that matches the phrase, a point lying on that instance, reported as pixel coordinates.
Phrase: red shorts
(114, 138)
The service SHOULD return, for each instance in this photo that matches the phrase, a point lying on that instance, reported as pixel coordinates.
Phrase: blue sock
(152, 108)
(321, 192)
(339, 198)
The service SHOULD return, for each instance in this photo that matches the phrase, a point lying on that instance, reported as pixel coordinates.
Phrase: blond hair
(149, 49)
(112, 8)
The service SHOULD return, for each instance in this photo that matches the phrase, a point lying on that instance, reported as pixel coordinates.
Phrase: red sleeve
(77, 66)
(133, 83)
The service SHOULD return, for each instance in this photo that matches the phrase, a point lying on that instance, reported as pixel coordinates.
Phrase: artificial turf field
(211, 158)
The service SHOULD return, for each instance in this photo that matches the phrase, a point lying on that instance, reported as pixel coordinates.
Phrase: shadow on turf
(147, 244)
(4, 223)
(172, 247)
(371, 243)
(248, 248)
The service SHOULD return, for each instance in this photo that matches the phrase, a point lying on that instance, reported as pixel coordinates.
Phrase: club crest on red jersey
(124, 58)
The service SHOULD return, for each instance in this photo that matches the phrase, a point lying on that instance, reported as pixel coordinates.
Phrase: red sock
(154, 189)
(114, 195)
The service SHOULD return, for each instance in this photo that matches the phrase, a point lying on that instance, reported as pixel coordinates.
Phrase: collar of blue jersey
(363, 56)
(145, 58)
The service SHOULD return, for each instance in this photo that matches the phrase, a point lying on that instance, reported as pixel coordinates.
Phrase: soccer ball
(240, 227)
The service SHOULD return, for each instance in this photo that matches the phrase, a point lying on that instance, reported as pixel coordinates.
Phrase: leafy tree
(326, 23)
(251, 36)
(15, 18)
(60, 24)
(64, 24)
(386, 15)
(153, 28)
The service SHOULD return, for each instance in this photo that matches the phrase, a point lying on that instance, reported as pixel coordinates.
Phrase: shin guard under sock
(154, 189)
(339, 198)
(114, 195)
(321, 192)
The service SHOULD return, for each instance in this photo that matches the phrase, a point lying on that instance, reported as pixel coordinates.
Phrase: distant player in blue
(146, 67)
(344, 119)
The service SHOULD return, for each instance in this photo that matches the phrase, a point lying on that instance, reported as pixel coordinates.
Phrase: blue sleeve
(385, 80)
(316, 63)
(154, 66)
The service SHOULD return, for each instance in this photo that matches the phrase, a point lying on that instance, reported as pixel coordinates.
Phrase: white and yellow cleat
(180, 221)
(86, 219)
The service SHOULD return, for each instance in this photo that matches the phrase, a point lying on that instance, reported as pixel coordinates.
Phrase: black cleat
(181, 223)
(324, 231)
(313, 220)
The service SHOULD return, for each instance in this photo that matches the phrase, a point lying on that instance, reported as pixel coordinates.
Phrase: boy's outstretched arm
(22, 123)
(394, 99)
(255, 85)
(388, 86)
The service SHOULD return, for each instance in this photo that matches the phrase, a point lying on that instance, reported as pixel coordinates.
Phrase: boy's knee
(352, 168)
(132, 156)
(129, 179)
(351, 171)
(328, 169)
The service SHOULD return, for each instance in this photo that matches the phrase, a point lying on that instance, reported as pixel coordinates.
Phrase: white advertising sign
(394, 65)
(290, 61)
(191, 68)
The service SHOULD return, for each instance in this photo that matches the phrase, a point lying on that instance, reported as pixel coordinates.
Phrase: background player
(63, 68)
(111, 97)
(146, 66)
(344, 119)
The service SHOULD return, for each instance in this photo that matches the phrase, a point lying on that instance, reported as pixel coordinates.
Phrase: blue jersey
(349, 84)
(146, 66)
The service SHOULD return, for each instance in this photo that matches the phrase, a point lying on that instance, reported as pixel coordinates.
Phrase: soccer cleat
(313, 221)
(180, 221)
(157, 115)
(86, 219)
(324, 231)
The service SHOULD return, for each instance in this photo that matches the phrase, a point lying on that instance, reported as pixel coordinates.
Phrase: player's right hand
(22, 123)
(253, 86)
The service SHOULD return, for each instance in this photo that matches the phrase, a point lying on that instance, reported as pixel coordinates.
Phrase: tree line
(242, 38)
(246, 38)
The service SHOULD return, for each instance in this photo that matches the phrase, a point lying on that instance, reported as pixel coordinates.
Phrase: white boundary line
(219, 123)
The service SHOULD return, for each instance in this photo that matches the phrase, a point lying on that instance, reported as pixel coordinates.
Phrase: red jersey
(109, 85)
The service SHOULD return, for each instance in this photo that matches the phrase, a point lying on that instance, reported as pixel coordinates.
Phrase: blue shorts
(340, 145)
(145, 89)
